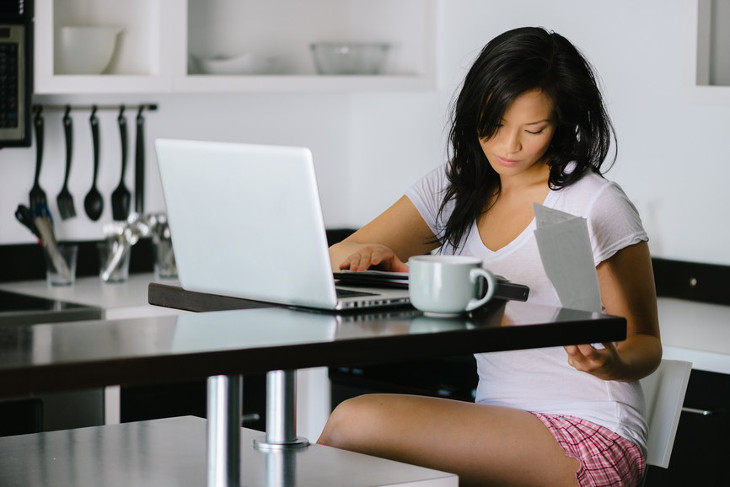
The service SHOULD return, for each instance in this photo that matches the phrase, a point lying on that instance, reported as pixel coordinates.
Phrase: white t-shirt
(541, 380)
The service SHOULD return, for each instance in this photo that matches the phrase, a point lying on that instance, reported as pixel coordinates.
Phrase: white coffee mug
(448, 284)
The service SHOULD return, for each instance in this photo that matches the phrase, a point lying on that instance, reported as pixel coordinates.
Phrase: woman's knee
(351, 422)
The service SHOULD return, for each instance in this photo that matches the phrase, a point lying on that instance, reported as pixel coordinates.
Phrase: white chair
(664, 393)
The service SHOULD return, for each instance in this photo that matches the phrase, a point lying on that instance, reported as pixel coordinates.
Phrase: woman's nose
(511, 141)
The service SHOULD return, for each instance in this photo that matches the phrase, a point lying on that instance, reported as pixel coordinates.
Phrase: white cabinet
(161, 39)
(141, 61)
(710, 45)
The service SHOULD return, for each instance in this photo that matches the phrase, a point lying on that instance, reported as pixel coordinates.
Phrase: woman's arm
(627, 288)
(387, 242)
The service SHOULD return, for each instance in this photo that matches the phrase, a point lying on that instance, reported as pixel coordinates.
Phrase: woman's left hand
(602, 363)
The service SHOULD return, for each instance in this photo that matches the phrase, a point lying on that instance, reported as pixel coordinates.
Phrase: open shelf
(161, 39)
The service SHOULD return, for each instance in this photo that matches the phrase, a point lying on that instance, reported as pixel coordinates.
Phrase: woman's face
(523, 137)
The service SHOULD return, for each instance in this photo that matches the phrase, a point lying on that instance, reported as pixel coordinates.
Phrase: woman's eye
(535, 132)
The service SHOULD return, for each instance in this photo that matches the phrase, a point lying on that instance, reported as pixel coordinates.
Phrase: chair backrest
(664, 392)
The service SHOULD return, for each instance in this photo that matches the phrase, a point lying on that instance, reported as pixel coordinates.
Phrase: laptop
(246, 222)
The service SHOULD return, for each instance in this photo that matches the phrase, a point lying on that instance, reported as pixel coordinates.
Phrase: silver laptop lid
(246, 221)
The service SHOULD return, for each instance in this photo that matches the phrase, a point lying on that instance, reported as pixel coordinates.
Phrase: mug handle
(474, 275)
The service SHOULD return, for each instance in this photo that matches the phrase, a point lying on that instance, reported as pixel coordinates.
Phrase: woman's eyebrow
(539, 121)
(530, 123)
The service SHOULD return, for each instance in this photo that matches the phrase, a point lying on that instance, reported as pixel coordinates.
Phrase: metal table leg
(224, 430)
(281, 412)
(281, 468)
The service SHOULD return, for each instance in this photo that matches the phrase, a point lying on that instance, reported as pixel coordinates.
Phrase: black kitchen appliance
(16, 72)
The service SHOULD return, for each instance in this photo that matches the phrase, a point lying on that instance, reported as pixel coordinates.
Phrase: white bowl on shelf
(351, 58)
(85, 50)
(247, 63)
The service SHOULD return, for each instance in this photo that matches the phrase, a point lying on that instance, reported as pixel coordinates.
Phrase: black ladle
(121, 197)
(94, 203)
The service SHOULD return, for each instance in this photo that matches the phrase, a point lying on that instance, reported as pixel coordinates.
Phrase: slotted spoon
(65, 200)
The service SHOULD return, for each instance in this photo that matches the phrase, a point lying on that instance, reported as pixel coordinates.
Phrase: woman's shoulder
(427, 194)
(592, 185)
(433, 181)
(590, 181)
(590, 191)
(613, 220)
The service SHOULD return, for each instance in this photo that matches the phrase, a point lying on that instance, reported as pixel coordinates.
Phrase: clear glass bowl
(247, 63)
(359, 58)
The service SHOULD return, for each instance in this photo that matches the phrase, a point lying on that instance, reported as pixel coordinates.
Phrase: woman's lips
(507, 162)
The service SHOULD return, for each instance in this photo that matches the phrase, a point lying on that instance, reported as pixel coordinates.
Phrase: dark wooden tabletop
(53, 357)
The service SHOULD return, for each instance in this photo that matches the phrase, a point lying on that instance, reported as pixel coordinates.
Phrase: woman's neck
(535, 177)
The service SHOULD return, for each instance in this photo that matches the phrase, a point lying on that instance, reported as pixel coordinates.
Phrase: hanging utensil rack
(139, 161)
(62, 107)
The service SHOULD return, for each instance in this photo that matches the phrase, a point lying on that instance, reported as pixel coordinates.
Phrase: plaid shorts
(606, 458)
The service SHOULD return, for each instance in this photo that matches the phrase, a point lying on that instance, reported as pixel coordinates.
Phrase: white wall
(320, 122)
(369, 147)
(673, 149)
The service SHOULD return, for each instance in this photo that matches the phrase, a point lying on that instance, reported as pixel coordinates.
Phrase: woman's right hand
(397, 233)
(373, 255)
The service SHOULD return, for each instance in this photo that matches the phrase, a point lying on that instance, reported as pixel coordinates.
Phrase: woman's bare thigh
(484, 445)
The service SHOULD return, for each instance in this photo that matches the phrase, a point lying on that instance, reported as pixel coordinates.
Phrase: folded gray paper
(565, 250)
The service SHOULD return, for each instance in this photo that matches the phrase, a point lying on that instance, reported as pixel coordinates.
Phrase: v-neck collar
(525, 234)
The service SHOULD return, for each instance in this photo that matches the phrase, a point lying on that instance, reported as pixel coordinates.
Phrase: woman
(529, 125)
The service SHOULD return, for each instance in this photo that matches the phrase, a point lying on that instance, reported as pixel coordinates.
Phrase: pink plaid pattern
(606, 458)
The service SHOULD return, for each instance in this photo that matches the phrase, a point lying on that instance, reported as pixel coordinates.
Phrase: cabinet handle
(701, 412)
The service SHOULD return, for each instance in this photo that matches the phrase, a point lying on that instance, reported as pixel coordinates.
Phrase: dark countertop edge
(194, 366)
(80, 313)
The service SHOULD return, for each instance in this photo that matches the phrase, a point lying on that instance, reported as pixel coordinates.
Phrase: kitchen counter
(697, 332)
(109, 301)
(117, 300)
(171, 453)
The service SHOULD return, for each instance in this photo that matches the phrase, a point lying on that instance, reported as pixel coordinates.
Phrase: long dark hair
(511, 64)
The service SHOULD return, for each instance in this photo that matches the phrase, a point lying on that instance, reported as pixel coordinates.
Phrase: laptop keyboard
(348, 293)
